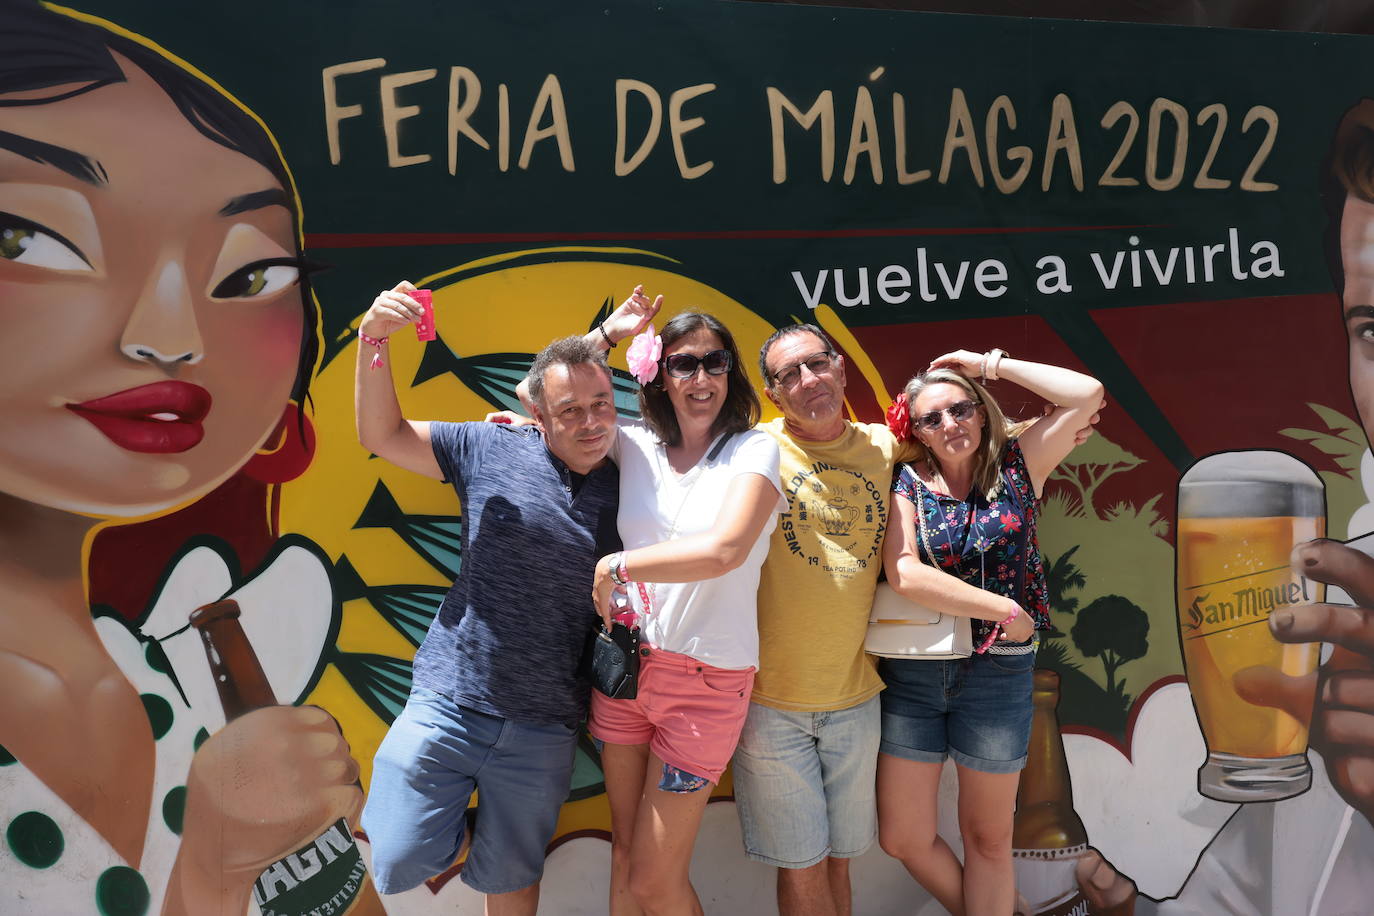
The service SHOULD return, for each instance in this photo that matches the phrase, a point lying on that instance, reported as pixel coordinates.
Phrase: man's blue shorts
(426, 769)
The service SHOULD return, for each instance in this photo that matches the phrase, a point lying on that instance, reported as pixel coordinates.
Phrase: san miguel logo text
(1215, 611)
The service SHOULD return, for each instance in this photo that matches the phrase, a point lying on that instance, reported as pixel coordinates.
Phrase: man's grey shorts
(805, 783)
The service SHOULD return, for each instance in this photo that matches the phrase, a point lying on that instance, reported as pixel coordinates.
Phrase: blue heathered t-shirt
(509, 634)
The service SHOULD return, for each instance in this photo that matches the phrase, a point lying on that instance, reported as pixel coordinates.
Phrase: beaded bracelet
(376, 342)
(999, 628)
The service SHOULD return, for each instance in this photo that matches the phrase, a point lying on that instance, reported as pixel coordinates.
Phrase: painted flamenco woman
(159, 333)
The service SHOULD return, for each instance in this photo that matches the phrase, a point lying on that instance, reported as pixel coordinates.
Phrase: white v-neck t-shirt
(712, 620)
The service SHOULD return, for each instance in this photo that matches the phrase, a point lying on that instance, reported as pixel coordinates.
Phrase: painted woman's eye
(26, 242)
(262, 278)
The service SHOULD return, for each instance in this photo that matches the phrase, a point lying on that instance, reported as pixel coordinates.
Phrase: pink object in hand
(424, 328)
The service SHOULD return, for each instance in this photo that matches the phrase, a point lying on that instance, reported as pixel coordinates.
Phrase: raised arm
(1075, 396)
(382, 429)
(749, 502)
(626, 321)
(934, 588)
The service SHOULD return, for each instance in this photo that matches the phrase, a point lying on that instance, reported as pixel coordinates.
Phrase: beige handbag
(900, 628)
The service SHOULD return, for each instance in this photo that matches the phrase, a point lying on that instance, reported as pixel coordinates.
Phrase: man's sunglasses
(684, 365)
(958, 412)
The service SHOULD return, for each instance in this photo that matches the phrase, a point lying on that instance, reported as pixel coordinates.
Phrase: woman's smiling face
(150, 319)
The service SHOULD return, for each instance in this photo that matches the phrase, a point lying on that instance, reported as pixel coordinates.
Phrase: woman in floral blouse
(977, 489)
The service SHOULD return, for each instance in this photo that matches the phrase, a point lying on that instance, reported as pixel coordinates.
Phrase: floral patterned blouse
(986, 542)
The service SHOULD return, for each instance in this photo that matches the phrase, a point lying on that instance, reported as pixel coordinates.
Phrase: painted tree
(1061, 576)
(1116, 629)
(1089, 465)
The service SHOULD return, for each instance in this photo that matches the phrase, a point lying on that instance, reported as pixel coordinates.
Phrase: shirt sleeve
(460, 447)
(758, 453)
(904, 482)
(631, 434)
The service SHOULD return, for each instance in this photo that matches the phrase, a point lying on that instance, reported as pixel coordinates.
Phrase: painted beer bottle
(1048, 837)
(327, 875)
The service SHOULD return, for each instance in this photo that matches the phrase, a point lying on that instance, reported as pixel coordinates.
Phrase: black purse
(611, 661)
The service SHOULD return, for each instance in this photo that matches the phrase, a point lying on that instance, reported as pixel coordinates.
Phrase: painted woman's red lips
(161, 418)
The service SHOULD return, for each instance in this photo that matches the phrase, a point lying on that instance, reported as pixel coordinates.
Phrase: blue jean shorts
(804, 783)
(426, 769)
(976, 710)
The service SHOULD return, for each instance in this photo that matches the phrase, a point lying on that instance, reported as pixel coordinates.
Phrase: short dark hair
(785, 332)
(1347, 172)
(566, 351)
(741, 409)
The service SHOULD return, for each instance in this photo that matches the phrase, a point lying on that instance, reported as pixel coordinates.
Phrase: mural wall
(197, 207)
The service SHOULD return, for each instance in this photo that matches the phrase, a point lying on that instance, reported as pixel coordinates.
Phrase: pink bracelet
(376, 342)
(999, 628)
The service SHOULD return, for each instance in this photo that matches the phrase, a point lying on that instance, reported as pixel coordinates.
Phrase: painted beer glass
(1240, 514)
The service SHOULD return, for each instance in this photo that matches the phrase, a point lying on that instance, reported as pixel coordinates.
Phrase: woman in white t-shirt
(699, 496)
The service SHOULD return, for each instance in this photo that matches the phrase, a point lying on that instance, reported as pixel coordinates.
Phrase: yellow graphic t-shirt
(822, 567)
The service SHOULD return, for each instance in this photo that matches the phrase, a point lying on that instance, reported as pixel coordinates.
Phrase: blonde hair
(987, 461)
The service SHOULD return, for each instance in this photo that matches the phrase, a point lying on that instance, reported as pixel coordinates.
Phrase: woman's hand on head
(965, 362)
(392, 310)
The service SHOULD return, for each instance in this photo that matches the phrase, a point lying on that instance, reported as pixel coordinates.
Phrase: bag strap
(921, 519)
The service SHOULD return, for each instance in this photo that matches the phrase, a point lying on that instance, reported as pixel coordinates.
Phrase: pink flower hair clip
(899, 418)
(643, 355)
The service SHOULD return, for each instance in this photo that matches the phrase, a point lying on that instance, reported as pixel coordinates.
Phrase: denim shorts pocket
(1012, 664)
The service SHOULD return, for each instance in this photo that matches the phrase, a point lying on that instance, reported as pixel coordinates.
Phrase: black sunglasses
(958, 412)
(684, 365)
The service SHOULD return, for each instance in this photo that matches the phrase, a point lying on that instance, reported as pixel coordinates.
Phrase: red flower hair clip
(899, 418)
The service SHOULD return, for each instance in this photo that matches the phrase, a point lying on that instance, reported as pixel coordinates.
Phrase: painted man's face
(149, 311)
(1357, 301)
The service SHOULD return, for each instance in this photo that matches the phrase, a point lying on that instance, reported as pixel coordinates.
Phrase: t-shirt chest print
(835, 518)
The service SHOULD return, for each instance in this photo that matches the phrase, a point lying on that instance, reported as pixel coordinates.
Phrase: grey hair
(566, 351)
(784, 332)
(987, 462)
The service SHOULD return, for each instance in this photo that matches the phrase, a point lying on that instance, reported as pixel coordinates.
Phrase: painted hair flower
(643, 355)
(899, 418)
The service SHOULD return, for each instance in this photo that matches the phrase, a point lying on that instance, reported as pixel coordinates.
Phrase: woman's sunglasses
(684, 365)
(957, 412)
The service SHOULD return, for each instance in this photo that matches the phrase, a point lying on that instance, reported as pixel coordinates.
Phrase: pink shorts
(689, 713)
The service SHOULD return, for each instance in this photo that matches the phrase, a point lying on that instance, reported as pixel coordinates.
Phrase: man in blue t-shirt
(496, 699)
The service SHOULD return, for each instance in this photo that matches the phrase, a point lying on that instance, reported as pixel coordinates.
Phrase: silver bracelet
(616, 560)
(992, 361)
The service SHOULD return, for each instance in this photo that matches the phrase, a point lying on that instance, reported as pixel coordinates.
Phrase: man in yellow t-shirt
(806, 762)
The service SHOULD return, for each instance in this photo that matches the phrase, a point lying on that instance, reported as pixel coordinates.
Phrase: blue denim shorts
(427, 767)
(976, 710)
(804, 783)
